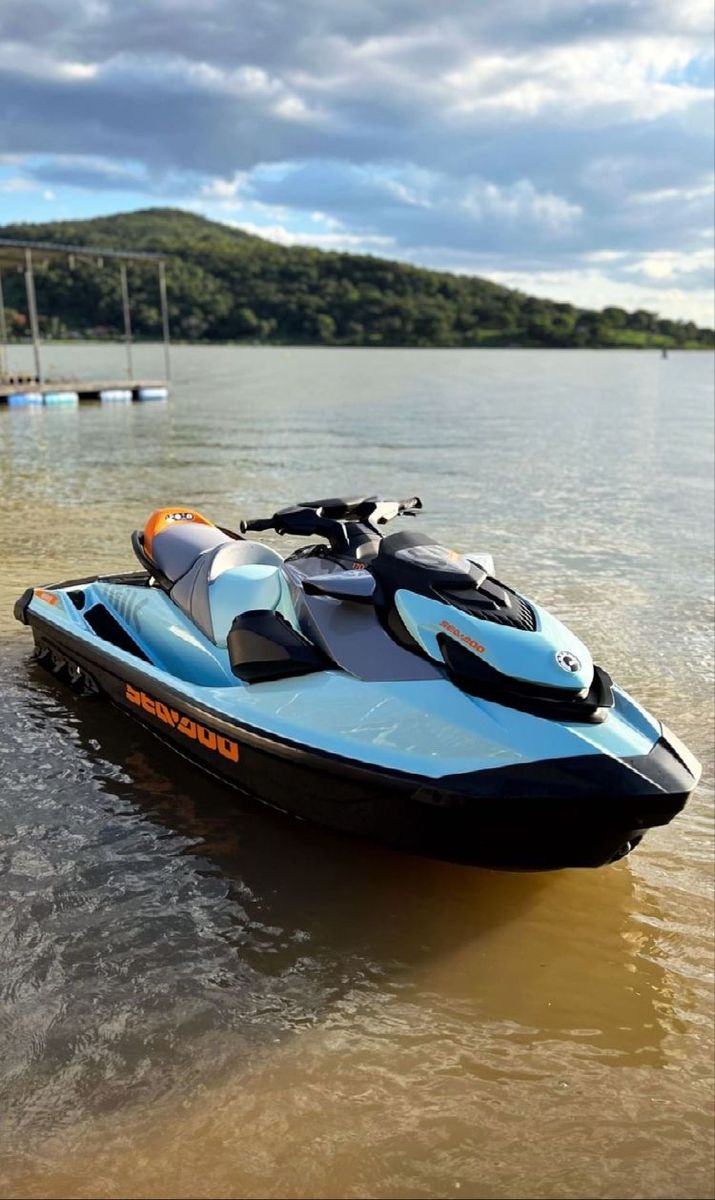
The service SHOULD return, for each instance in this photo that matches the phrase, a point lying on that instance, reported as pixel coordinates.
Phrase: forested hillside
(226, 285)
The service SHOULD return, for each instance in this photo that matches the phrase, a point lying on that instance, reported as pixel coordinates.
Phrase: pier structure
(21, 389)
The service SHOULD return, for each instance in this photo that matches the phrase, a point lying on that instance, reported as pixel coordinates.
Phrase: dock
(24, 391)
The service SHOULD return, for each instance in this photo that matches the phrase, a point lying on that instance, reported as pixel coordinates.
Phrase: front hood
(549, 655)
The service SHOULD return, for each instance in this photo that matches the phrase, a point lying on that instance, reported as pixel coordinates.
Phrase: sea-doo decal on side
(179, 516)
(191, 729)
(48, 597)
(462, 637)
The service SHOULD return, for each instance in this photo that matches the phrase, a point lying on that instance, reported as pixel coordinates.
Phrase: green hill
(227, 285)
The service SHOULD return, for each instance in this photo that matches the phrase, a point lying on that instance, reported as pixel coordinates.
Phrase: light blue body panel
(519, 653)
(427, 728)
(240, 589)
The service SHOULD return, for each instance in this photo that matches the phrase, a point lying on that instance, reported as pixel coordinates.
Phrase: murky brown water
(199, 998)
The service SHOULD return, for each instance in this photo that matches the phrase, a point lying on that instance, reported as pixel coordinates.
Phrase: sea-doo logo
(224, 746)
(48, 597)
(568, 661)
(462, 637)
(179, 516)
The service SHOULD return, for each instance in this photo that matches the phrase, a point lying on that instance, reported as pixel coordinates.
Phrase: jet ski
(374, 682)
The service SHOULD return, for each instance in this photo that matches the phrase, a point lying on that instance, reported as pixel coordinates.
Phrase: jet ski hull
(584, 810)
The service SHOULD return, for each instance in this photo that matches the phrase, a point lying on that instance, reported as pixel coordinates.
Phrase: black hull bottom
(543, 816)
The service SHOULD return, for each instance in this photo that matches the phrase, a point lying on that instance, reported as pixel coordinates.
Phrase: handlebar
(307, 520)
(408, 507)
(302, 522)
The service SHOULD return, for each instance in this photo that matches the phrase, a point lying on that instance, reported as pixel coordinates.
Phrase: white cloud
(17, 183)
(595, 289)
(677, 194)
(225, 191)
(355, 242)
(76, 70)
(667, 264)
(294, 108)
(520, 202)
(694, 16)
(618, 82)
(41, 63)
(606, 256)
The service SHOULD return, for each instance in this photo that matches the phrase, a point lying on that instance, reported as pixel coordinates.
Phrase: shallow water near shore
(201, 998)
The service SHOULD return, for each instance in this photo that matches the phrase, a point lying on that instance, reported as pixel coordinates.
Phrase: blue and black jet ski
(379, 684)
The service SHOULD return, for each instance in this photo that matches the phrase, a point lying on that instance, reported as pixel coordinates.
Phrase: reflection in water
(191, 974)
(199, 997)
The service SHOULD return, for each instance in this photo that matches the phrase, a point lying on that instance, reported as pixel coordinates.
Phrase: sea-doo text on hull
(381, 685)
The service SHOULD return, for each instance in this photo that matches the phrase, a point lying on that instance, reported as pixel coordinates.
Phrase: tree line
(227, 285)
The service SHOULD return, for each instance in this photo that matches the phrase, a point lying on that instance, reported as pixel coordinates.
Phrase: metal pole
(164, 319)
(32, 311)
(127, 318)
(4, 364)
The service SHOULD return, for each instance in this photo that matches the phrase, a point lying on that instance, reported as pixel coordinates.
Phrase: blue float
(24, 399)
(52, 398)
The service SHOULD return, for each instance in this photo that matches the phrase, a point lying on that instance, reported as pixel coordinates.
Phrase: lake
(199, 997)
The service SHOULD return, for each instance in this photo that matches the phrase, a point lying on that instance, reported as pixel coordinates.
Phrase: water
(201, 998)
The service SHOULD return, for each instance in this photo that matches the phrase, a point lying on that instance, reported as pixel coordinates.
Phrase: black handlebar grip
(258, 525)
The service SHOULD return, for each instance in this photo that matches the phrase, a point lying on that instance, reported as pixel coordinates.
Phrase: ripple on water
(198, 997)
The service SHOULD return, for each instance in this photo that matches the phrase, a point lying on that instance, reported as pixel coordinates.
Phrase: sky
(564, 147)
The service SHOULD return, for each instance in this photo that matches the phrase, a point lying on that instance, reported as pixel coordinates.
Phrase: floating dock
(24, 391)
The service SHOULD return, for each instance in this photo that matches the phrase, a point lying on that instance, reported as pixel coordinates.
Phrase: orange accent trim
(164, 518)
(48, 597)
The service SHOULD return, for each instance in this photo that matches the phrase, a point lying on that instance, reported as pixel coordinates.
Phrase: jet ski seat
(210, 576)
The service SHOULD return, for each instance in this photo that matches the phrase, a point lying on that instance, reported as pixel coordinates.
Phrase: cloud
(411, 205)
(17, 183)
(595, 289)
(595, 82)
(91, 172)
(518, 138)
(671, 264)
(356, 243)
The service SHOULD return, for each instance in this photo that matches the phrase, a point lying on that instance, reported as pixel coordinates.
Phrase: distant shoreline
(25, 343)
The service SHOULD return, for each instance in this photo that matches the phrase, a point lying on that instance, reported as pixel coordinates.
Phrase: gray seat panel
(175, 550)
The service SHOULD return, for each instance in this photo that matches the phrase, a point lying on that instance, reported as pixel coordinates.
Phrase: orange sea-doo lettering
(206, 737)
(224, 746)
(48, 597)
(227, 748)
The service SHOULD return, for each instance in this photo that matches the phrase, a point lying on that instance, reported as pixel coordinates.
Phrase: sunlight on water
(199, 997)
